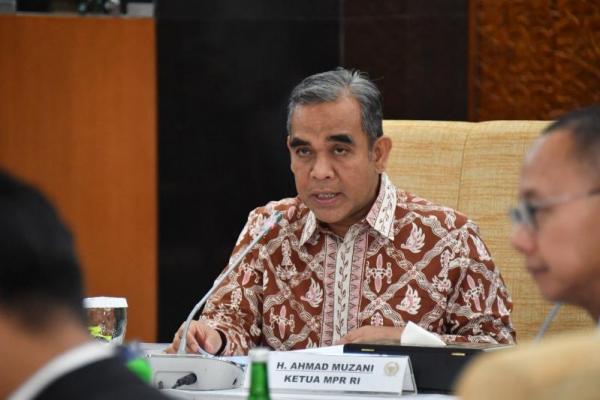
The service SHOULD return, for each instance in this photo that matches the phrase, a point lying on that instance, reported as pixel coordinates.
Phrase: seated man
(46, 350)
(557, 222)
(557, 230)
(354, 258)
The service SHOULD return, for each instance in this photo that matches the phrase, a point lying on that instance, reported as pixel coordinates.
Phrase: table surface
(241, 393)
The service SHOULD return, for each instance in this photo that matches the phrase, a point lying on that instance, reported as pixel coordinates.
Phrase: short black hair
(39, 270)
(584, 127)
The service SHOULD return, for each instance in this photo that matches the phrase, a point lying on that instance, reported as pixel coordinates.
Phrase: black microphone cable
(188, 379)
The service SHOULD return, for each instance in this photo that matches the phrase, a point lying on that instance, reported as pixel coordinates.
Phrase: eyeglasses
(525, 212)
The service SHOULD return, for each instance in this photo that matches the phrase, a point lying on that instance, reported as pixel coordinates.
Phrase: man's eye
(530, 211)
(540, 211)
(340, 151)
(302, 152)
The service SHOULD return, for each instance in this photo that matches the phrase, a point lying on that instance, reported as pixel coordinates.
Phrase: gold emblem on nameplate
(391, 368)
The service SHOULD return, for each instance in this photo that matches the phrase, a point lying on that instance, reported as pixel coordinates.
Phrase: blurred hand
(199, 335)
(373, 334)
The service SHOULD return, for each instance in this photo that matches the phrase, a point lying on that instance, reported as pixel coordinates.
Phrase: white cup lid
(105, 302)
(259, 354)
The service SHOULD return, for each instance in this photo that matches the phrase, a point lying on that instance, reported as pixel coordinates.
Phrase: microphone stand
(268, 225)
(549, 318)
(203, 372)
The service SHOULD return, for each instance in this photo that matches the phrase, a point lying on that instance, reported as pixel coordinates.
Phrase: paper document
(328, 350)
(414, 335)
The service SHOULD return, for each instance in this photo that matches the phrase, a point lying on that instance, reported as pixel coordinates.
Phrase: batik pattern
(408, 260)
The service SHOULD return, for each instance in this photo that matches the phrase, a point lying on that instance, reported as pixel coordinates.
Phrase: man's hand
(373, 334)
(199, 335)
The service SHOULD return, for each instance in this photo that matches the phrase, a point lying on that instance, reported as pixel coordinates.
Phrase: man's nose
(522, 239)
(322, 169)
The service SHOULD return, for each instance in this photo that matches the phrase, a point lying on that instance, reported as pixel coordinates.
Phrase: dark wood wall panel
(416, 51)
(225, 70)
(533, 59)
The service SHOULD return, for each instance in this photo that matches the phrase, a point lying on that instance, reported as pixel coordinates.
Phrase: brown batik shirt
(408, 260)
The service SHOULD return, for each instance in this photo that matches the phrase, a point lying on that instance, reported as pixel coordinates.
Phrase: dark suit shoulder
(104, 379)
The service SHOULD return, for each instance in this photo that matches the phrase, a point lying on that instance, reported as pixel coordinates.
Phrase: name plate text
(317, 372)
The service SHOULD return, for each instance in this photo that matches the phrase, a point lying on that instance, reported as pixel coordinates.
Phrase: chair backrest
(474, 168)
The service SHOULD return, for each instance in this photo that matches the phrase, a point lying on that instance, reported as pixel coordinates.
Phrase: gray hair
(584, 126)
(330, 86)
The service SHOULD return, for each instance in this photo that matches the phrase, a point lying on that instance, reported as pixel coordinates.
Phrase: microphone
(267, 226)
(549, 318)
(203, 372)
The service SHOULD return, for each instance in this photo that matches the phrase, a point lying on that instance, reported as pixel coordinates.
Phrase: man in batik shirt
(354, 258)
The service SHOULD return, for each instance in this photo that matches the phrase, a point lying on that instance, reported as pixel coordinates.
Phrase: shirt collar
(63, 364)
(380, 217)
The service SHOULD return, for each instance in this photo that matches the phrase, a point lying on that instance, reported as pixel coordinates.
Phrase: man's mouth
(536, 270)
(325, 198)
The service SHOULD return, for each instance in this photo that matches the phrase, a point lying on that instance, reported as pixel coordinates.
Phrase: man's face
(336, 174)
(562, 252)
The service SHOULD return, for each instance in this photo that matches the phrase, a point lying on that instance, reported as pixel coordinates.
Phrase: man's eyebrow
(341, 138)
(295, 142)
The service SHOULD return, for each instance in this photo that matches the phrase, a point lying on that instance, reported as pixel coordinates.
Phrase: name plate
(295, 371)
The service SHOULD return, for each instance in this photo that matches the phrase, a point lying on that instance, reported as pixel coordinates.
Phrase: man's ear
(381, 151)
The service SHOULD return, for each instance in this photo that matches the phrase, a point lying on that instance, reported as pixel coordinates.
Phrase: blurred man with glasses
(557, 229)
(557, 223)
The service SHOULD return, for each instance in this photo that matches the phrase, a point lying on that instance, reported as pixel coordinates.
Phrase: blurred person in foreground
(557, 229)
(557, 223)
(354, 258)
(45, 348)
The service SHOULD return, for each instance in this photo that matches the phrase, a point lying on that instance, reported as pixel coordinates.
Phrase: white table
(242, 393)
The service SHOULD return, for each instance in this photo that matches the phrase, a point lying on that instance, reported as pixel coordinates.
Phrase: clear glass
(107, 319)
